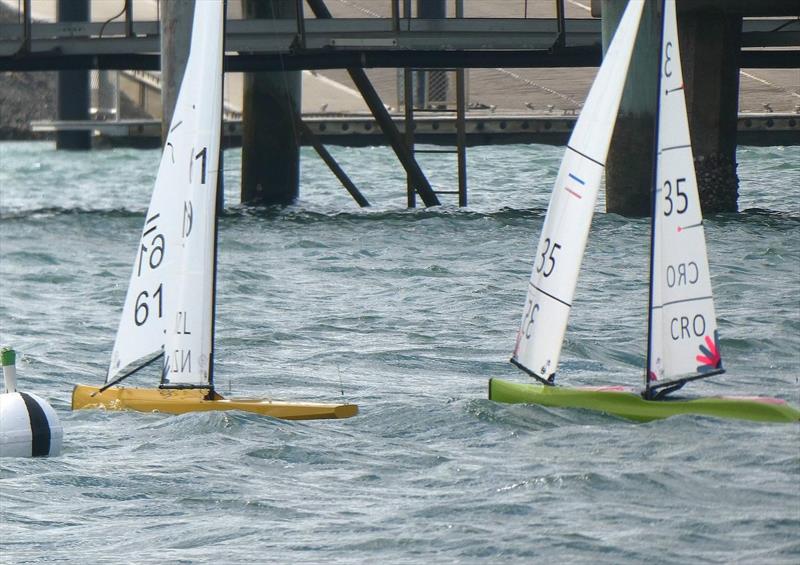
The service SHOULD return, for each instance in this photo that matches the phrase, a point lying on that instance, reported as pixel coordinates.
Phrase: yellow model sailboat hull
(174, 401)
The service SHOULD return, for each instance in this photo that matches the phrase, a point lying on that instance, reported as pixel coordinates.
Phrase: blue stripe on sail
(573, 177)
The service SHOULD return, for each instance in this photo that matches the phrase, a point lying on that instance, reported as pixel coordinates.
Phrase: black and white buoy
(29, 426)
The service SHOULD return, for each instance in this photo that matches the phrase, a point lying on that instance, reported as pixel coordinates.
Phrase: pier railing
(363, 42)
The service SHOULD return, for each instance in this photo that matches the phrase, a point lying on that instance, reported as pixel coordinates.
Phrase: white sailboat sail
(683, 342)
(569, 215)
(170, 301)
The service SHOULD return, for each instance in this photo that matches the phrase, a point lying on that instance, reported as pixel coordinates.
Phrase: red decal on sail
(710, 358)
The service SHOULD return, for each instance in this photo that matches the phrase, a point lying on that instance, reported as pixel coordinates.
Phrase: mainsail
(169, 306)
(683, 340)
(569, 215)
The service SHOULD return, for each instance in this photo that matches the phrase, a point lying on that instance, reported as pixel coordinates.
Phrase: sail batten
(566, 228)
(683, 342)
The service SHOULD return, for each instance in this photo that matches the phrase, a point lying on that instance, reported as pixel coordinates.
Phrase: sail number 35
(548, 258)
(678, 202)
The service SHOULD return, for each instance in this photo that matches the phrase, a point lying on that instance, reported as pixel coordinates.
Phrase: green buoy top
(9, 356)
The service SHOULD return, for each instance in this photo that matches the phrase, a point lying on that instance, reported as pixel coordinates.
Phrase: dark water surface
(407, 313)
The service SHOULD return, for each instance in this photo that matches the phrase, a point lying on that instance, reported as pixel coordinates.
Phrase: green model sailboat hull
(627, 404)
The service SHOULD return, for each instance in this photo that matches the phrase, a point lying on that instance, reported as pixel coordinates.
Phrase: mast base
(181, 401)
(619, 401)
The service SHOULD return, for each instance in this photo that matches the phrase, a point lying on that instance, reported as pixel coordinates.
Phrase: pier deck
(264, 45)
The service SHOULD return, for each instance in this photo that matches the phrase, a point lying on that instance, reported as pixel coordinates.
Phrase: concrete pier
(710, 46)
(431, 84)
(72, 90)
(270, 137)
(710, 39)
(507, 103)
(629, 167)
(176, 34)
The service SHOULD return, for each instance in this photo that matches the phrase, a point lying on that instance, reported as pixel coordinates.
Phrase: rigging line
(550, 381)
(785, 24)
(674, 147)
(285, 80)
(128, 374)
(654, 204)
(683, 380)
(218, 200)
(682, 228)
(109, 20)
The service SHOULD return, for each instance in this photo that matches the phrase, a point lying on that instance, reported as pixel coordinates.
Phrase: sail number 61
(142, 310)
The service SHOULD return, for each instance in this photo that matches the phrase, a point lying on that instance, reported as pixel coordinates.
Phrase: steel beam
(310, 137)
(373, 101)
(382, 34)
(761, 59)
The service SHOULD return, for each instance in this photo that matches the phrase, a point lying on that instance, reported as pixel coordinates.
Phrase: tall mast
(220, 201)
(653, 196)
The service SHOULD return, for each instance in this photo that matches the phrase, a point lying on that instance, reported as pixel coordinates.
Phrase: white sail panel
(140, 335)
(190, 310)
(683, 326)
(169, 275)
(566, 227)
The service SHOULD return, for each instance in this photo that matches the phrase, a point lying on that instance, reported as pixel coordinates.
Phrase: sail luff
(566, 227)
(653, 204)
(190, 310)
(217, 200)
(683, 343)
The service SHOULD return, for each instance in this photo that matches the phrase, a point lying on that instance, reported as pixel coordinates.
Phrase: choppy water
(406, 313)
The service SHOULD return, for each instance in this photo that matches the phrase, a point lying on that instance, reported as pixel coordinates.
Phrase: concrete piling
(176, 36)
(629, 166)
(710, 47)
(270, 137)
(72, 91)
